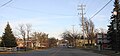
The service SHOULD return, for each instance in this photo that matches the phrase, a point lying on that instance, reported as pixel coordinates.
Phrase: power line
(100, 9)
(36, 11)
(6, 3)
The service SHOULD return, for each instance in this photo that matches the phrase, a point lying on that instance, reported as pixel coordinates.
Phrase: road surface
(59, 51)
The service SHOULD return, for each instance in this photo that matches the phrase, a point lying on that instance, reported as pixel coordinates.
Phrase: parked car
(70, 46)
(9, 49)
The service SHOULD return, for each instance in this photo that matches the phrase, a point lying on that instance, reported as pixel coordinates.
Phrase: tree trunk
(88, 41)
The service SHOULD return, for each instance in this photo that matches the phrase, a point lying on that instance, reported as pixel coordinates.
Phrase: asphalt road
(59, 51)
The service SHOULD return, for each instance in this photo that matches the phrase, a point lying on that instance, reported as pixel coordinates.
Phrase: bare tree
(40, 38)
(89, 30)
(22, 33)
(103, 30)
(34, 39)
(92, 34)
(71, 37)
(53, 42)
(28, 29)
(96, 31)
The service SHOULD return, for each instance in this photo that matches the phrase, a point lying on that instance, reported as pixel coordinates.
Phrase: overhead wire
(31, 10)
(88, 8)
(24, 9)
(6, 3)
(35, 11)
(100, 9)
(48, 13)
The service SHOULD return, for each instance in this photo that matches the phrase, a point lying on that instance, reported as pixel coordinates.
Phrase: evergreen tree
(113, 33)
(8, 39)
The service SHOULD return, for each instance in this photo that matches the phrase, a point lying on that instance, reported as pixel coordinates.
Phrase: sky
(53, 16)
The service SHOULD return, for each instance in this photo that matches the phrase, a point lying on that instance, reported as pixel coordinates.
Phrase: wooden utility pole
(82, 17)
(73, 28)
(74, 35)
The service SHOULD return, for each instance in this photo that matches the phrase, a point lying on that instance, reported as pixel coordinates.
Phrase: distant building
(102, 38)
(81, 42)
(33, 43)
(62, 42)
(41, 42)
(20, 42)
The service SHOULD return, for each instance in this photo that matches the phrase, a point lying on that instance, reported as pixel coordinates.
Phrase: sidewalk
(8, 52)
(104, 52)
(19, 52)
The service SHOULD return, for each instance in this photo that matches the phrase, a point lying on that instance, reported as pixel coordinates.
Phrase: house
(40, 42)
(101, 38)
(20, 42)
(81, 42)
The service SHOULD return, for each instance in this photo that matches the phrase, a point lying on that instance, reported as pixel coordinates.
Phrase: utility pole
(73, 28)
(73, 35)
(81, 7)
